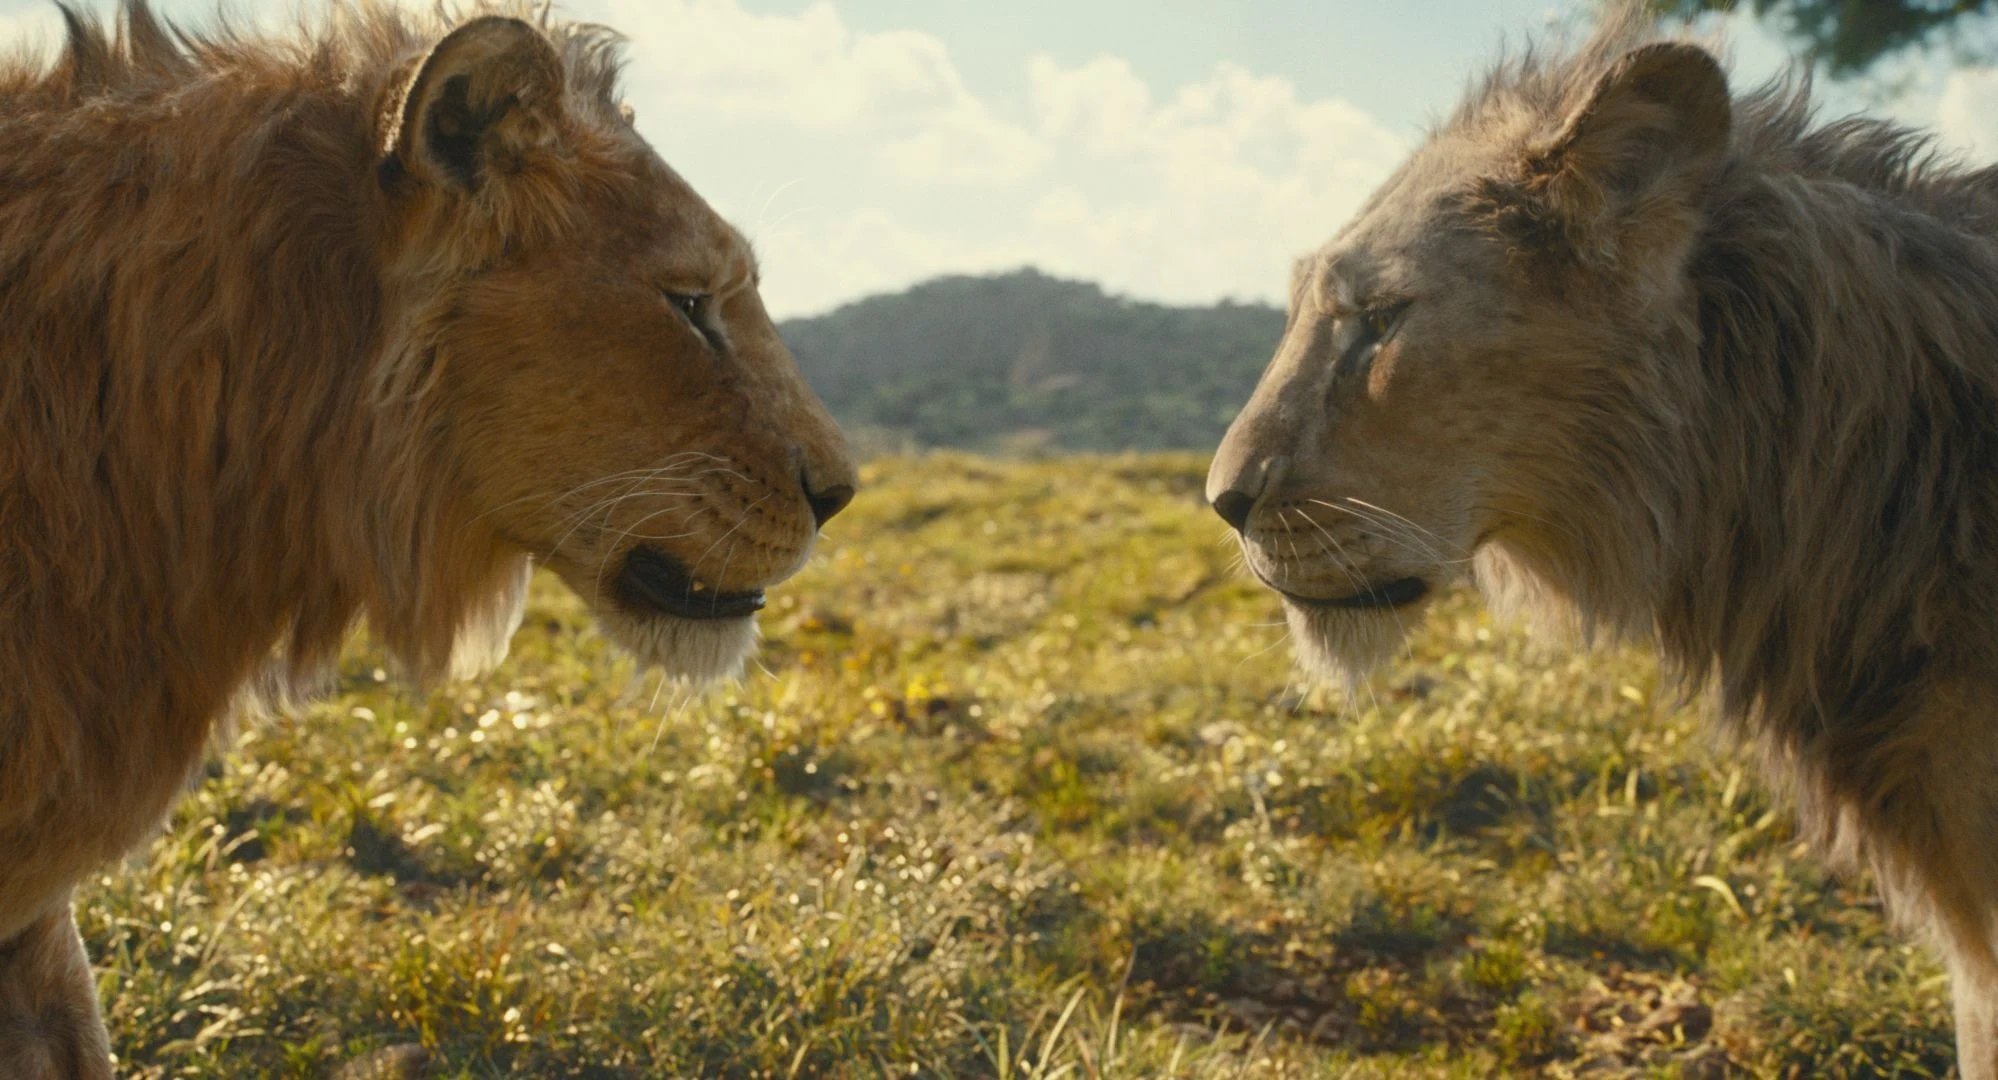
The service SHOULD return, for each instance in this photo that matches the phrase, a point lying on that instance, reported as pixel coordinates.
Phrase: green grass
(1028, 791)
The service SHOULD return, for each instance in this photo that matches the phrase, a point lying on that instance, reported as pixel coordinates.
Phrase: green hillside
(1024, 789)
(1025, 361)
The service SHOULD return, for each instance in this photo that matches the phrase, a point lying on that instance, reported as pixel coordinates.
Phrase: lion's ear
(1659, 117)
(1661, 110)
(489, 93)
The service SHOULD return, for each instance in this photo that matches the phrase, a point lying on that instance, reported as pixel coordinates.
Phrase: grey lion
(1652, 360)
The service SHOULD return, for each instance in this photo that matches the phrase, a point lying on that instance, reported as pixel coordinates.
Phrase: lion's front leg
(50, 1028)
(1976, 1025)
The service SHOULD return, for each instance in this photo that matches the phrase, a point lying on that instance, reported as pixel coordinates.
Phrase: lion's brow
(746, 271)
(1327, 279)
(1301, 273)
(748, 268)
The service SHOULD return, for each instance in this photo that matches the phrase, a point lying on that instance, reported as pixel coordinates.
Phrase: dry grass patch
(1029, 792)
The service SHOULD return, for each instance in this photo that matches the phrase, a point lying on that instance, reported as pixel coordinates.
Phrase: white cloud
(871, 250)
(966, 145)
(896, 91)
(1213, 189)
(1101, 103)
(862, 161)
(1967, 113)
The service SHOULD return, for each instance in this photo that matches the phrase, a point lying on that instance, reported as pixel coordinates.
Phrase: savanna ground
(1027, 791)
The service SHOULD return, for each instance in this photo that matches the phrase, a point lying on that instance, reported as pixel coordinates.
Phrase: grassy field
(1026, 791)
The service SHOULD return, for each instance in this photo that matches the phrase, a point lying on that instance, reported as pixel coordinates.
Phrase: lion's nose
(827, 501)
(1234, 507)
(1238, 494)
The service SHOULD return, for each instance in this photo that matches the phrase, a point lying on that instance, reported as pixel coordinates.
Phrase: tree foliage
(1023, 360)
(1848, 36)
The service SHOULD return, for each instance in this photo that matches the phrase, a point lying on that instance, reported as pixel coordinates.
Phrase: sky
(1176, 150)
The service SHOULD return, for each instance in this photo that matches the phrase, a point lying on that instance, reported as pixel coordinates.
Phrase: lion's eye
(698, 310)
(1376, 326)
(1381, 323)
(691, 305)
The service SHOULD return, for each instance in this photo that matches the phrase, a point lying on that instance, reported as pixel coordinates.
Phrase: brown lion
(1662, 362)
(348, 327)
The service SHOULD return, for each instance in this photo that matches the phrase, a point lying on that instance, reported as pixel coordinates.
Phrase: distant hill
(1024, 361)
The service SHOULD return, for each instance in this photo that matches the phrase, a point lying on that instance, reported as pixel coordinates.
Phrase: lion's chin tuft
(699, 651)
(1346, 646)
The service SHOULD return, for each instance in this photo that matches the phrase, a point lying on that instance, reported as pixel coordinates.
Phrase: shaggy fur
(342, 326)
(1689, 367)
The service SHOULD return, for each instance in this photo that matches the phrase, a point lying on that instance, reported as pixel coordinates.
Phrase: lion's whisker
(1431, 543)
(1560, 527)
(617, 543)
(668, 465)
(675, 471)
(1391, 530)
(727, 556)
(610, 505)
(665, 481)
(1382, 519)
(1340, 558)
(674, 705)
(739, 523)
(1392, 514)
(1264, 651)
(630, 491)
(593, 509)
(1401, 534)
